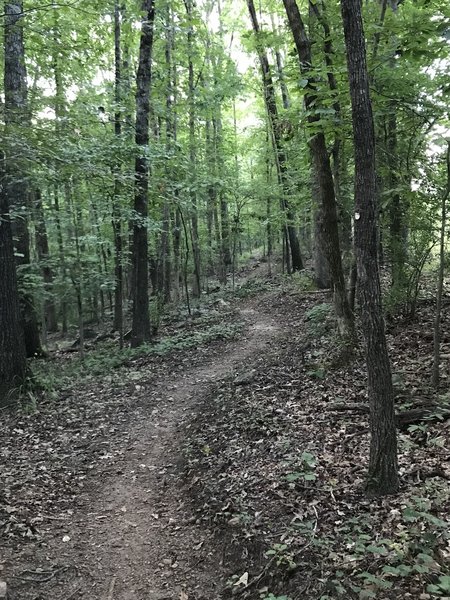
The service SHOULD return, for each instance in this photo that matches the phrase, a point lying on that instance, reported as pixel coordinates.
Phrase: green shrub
(318, 320)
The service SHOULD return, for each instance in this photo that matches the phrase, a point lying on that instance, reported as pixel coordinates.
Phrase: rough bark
(329, 230)
(319, 10)
(219, 157)
(396, 217)
(211, 200)
(43, 254)
(321, 270)
(59, 107)
(224, 219)
(192, 153)
(440, 285)
(165, 258)
(280, 157)
(141, 329)
(16, 183)
(383, 467)
(116, 217)
(12, 347)
(176, 217)
(176, 255)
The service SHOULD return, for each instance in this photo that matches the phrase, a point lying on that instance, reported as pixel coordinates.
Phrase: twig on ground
(72, 594)
(48, 577)
(255, 580)
(111, 589)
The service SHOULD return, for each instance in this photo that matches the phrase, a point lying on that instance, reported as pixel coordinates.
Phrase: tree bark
(13, 364)
(440, 286)
(165, 258)
(398, 253)
(15, 182)
(59, 107)
(280, 158)
(141, 329)
(224, 220)
(383, 467)
(43, 254)
(192, 154)
(116, 216)
(329, 231)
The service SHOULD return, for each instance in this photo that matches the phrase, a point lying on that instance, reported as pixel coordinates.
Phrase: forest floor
(229, 462)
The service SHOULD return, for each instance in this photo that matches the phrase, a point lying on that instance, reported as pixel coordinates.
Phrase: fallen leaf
(243, 579)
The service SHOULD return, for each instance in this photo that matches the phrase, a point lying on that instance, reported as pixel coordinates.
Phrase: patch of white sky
(231, 16)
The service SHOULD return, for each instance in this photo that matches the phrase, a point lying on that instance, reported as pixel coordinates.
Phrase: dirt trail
(138, 540)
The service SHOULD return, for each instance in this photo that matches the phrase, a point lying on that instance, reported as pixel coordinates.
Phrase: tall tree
(441, 272)
(329, 223)
(280, 157)
(12, 346)
(116, 216)
(16, 180)
(141, 328)
(383, 468)
(193, 150)
(43, 253)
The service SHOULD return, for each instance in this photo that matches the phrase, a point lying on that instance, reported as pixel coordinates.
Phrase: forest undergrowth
(272, 461)
(276, 465)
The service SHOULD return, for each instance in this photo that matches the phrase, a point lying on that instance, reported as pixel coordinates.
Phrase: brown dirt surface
(233, 468)
(122, 528)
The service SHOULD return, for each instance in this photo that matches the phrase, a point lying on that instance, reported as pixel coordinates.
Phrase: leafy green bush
(303, 281)
(372, 563)
(318, 320)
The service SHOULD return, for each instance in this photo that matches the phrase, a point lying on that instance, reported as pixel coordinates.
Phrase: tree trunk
(396, 217)
(440, 286)
(383, 466)
(321, 268)
(165, 283)
(280, 158)
(329, 231)
(116, 216)
(226, 257)
(210, 199)
(13, 365)
(224, 220)
(16, 182)
(59, 107)
(176, 256)
(141, 329)
(192, 154)
(43, 254)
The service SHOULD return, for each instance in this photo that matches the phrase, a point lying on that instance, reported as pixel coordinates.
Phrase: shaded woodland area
(251, 197)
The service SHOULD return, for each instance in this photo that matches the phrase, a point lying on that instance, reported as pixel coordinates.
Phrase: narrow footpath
(133, 536)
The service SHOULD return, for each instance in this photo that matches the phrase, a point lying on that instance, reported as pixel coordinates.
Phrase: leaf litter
(282, 480)
(266, 501)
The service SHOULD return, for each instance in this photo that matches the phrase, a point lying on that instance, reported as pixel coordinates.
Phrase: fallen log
(419, 414)
(344, 406)
(424, 414)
